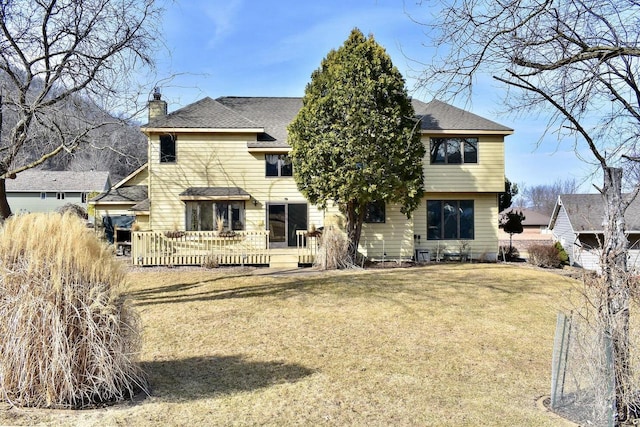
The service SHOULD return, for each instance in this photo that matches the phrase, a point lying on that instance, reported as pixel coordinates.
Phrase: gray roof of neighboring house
(532, 218)
(59, 181)
(131, 194)
(275, 113)
(586, 212)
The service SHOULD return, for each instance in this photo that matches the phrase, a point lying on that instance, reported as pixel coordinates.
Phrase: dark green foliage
(508, 253)
(356, 139)
(562, 254)
(510, 191)
(513, 224)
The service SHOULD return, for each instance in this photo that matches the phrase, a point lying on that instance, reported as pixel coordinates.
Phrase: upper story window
(43, 196)
(454, 151)
(374, 212)
(167, 148)
(278, 165)
(60, 196)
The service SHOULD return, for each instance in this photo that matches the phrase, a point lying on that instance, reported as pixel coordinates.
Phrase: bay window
(203, 215)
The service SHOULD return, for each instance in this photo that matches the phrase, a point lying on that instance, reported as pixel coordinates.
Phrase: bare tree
(577, 60)
(57, 57)
(117, 149)
(542, 198)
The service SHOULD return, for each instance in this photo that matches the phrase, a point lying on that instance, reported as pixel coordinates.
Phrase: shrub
(211, 262)
(546, 256)
(508, 253)
(333, 252)
(563, 257)
(77, 210)
(68, 337)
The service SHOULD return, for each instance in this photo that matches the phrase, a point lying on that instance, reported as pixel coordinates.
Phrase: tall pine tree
(356, 139)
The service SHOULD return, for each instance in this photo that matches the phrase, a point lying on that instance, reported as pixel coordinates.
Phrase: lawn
(448, 344)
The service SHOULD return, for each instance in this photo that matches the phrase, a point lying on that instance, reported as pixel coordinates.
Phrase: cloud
(224, 17)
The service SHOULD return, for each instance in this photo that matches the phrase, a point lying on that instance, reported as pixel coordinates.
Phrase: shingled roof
(532, 218)
(273, 114)
(586, 213)
(206, 113)
(59, 181)
(438, 115)
(220, 193)
(133, 193)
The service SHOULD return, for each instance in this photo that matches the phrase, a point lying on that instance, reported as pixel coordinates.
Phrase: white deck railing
(199, 247)
(203, 247)
(307, 246)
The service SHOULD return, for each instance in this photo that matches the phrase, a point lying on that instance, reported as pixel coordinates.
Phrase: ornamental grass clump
(68, 338)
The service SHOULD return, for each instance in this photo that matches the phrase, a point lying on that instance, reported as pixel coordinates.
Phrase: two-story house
(37, 190)
(224, 162)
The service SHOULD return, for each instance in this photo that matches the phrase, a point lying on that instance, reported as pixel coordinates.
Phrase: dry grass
(458, 345)
(333, 252)
(67, 338)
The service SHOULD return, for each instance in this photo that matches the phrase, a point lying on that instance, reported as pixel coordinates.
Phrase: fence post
(560, 356)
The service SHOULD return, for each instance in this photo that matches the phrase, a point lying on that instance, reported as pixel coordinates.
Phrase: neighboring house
(124, 203)
(44, 191)
(577, 223)
(535, 230)
(228, 159)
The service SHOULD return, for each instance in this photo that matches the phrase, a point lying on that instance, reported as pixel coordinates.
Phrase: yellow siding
(485, 242)
(485, 176)
(223, 160)
(205, 160)
(141, 178)
(392, 239)
(143, 222)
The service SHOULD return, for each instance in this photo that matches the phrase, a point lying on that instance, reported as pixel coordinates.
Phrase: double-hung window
(450, 219)
(454, 151)
(278, 165)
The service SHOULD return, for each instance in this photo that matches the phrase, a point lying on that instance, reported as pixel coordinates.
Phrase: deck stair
(283, 258)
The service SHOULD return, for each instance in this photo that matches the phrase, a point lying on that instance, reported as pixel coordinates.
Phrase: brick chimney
(157, 107)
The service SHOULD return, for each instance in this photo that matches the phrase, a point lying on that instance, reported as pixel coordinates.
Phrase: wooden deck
(151, 248)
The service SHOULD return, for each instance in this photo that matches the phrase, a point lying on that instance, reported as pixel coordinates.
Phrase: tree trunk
(5, 209)
(616, 280)
(354, 214)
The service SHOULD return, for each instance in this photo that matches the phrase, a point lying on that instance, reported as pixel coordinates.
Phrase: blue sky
(260, 48)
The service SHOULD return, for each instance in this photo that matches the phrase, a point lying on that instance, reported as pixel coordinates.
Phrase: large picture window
(450, 219)
(278, 165)
(167, 148)
(203, 215)
(454, 150)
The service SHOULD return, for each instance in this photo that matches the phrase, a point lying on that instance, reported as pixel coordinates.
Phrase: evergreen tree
(513, 225)
(506, 199)
(356, 139)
